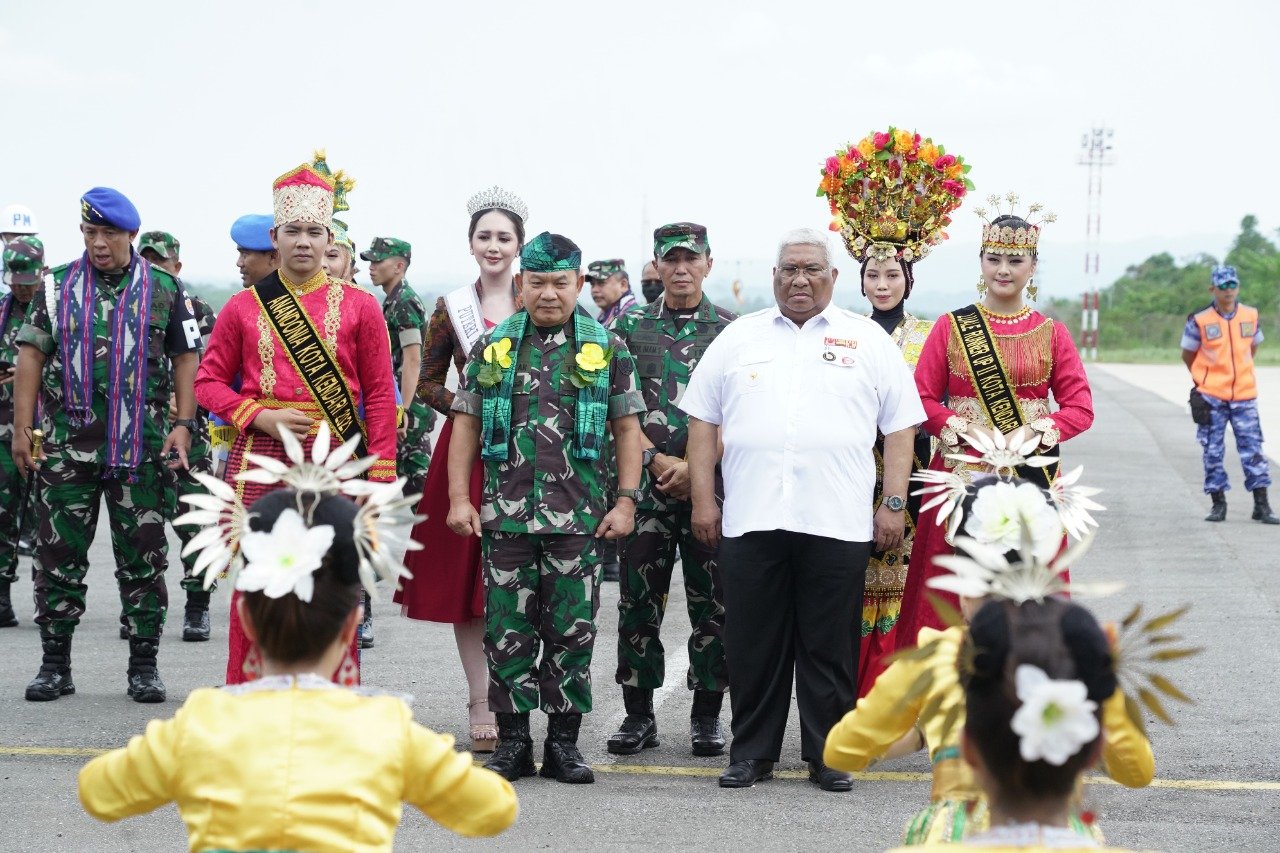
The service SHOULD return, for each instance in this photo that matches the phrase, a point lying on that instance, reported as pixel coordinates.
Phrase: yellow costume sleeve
(1126, 752)
(135, 779)
(451, 790)
(880, 718)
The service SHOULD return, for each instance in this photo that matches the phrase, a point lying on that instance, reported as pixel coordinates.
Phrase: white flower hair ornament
(284, 560)
(1003, 453)
(1056, 719)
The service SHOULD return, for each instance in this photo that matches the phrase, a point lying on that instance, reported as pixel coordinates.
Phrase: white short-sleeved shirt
(799, 407)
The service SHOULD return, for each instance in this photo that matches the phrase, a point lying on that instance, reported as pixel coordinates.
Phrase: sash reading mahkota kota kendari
(317, 366)
(992, 384)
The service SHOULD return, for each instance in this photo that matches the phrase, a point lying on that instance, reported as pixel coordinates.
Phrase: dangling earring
(982, 286)
(1032, 290)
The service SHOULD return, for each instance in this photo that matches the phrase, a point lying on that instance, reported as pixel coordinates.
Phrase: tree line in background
(1147, 307)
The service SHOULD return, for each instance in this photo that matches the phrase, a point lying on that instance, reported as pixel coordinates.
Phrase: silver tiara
(497, 198)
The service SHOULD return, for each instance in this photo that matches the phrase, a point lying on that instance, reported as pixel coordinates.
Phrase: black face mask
(651, 288)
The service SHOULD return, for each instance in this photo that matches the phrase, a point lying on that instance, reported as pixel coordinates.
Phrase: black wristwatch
(189, 423)
(895, 503)
(636, 495)
(647, 457)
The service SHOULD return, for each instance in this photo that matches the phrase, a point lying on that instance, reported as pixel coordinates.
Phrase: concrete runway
(1218, 786)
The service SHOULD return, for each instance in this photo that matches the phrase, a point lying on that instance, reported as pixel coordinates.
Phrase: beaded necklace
(1004, 319)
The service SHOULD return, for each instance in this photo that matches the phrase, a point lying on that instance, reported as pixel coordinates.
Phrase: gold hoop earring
(1032, 290)
(982, 286)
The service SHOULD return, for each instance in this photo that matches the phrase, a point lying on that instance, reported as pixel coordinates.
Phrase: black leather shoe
(827, 779)
(635, 734)
(745, 773)
(705, 731)
(195, 624)
(1218, 512)
(1262, 507)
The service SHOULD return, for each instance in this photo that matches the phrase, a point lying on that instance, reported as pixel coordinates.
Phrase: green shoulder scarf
(593, 400)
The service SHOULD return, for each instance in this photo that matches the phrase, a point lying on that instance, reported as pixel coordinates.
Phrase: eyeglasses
(1228, 285)
(791, 271)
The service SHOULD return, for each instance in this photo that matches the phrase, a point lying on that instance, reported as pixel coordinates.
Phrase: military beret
(387, 247)
(105, 206)
(550, 253)
(24, 261)
(600, 270)
(162, 243)
(253, 232)
(680, 235)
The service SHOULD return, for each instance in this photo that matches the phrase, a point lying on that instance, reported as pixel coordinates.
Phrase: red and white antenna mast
(1096, 151)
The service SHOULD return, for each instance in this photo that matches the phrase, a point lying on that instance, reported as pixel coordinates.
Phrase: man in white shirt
(797, 393)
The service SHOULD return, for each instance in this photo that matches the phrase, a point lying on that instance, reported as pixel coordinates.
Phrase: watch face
(894, 502)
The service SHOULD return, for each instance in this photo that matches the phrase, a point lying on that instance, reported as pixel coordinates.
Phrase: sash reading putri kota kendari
(992, 384)
(318, 367)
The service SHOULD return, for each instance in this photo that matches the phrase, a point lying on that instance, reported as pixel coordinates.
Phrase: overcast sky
(610, 117)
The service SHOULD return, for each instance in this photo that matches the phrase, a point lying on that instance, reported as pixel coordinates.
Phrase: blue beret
(105, 206)
(253, 232)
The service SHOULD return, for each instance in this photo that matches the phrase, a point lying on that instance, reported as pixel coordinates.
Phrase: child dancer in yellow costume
(1009, 552)
(292, 761)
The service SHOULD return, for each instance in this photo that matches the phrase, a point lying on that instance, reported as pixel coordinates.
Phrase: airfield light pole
(1096, 151)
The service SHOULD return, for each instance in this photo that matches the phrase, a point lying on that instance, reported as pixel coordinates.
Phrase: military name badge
(1213, 331)
(838, 351)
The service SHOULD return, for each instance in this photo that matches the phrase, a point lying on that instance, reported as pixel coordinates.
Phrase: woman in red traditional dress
(1020, 357)
(447, 585)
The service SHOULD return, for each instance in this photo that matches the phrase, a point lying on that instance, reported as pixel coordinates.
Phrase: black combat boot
(704, 723)
(54, 678)
(124, 627)
(1219, 510)
(1262, 507)
(639, 730)
(513, 756)
(195, 619)
(366, 627)
(144, 679)
(7, 617)
(561, 759)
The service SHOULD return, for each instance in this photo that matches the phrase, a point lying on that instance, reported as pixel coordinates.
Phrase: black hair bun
(1088, 645)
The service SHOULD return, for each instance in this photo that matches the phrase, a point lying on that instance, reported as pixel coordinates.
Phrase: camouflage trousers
(542, 592)
(182, 483)
(1243, 417)
(71, 492)
(648, 560)
(12, 490)
(413, 452)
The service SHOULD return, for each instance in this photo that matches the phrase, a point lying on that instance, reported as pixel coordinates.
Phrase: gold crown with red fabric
(892, 194)
(1005, 239)
(303, 194)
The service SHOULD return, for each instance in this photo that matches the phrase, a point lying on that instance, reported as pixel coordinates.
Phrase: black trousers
(789, 599)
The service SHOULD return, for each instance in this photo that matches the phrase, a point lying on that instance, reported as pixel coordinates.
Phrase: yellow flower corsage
(497, 358)
(591, 359)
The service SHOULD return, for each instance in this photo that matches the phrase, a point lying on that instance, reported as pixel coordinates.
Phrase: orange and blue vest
(1223, 366)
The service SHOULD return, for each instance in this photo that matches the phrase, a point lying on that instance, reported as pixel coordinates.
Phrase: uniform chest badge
(1212, 331)
(1247, 330)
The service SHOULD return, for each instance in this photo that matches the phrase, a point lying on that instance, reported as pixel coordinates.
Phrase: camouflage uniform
(71, 478)
(199, 457)
(12, 485)
(666, 349)
(407, 323)
(539, 514)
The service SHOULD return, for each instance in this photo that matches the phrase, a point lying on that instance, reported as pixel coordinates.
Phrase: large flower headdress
(892, 194)
(283, 561)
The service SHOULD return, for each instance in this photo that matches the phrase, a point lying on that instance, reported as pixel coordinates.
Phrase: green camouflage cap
(162, 243)
(387, 247)
(550, 253)
(680, 235)
(24, 261)
(600, 270)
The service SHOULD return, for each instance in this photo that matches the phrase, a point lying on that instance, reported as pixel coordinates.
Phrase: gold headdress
(892, 194)
(1006, 240)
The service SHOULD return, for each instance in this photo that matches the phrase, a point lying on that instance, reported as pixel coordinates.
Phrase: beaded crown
(1004, 239)
(496, 198)
(892, 194)
(303, 195)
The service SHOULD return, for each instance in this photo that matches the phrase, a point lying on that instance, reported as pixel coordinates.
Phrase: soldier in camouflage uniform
(667, 338)
(407, 323)
(537, 395)
(109, 329)
(24, 271)
(162, 250)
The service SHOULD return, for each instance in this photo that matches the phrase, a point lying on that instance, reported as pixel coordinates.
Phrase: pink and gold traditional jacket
(351, 325)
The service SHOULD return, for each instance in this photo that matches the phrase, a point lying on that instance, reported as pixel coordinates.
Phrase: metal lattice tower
(1096, 151)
